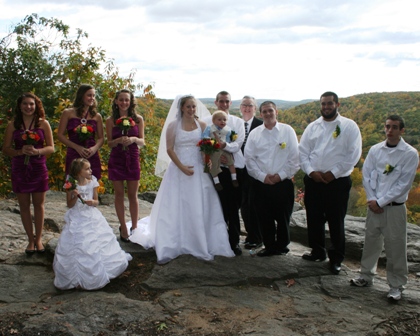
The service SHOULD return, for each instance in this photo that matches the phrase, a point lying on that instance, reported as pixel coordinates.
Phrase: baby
(220, 130)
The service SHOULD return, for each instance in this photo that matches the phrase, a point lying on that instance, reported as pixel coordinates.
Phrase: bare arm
(8, 148)
(109, 124)
(99, 134)
(140, 139)
(94, 201)
(72, 197)
(49, 141)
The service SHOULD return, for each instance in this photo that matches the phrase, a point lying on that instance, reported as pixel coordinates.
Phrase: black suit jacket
(255, 123)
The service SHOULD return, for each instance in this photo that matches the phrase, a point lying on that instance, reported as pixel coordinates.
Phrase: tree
(40, 55)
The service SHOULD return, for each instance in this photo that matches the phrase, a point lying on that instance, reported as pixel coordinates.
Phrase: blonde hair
(218, 113)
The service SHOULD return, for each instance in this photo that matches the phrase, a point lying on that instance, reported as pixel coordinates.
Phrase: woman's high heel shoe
(125, 240)
(38, 250)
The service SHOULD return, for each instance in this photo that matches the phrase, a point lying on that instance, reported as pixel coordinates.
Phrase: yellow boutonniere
(388, 169)
(233, 136)
(337, 132)
(282, 145)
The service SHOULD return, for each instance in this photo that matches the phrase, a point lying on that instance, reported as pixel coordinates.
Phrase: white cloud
(289, 50)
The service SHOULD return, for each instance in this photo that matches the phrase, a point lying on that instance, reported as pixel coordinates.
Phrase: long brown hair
(78, 101)
(131, 109)
(39, 110)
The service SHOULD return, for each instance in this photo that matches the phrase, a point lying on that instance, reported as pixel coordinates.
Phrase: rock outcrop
(279, 295)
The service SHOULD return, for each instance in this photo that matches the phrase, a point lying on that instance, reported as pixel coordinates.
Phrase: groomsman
(388, 173)
(272, 159)
(230, 197)
(253, 239)
(329, 149)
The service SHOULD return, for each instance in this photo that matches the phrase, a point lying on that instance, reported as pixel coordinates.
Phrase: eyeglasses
(245, 105)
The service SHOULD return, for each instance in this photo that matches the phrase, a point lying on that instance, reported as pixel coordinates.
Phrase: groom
(230, 197)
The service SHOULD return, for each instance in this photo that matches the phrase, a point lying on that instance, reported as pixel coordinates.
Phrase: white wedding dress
(186, 217)
(88, 254)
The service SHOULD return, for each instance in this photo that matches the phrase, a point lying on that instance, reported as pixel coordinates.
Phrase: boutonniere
(388, 169)
(282, 145)
(233, 135)
(337, 132)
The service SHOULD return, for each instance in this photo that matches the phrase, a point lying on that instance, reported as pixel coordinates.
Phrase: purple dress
(32, 177)
(72, 154)
(124, 164)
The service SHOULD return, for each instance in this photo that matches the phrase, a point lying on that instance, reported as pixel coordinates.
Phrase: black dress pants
(248, 210)
(230, 198)
(327, 203)
(274, 205)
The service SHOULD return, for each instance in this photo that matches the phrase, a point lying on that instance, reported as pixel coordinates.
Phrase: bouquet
(71, 184)
(84, 132)
(208, 146)
(125, 123)
(30, 138)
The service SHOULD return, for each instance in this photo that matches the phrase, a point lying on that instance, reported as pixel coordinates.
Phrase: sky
(269, 49)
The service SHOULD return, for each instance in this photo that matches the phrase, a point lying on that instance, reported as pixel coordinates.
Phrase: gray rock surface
(246, 295)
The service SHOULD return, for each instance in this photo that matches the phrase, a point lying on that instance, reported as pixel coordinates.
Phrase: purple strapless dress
(124, 164)
(72, 154)
(33, 177)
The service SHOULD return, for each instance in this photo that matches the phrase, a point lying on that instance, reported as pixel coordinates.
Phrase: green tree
(42, 56)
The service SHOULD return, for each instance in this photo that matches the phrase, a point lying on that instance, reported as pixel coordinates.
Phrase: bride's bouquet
(208, 146)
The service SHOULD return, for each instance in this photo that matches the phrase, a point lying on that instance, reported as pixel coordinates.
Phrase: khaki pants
(390, 229)
(215, 161)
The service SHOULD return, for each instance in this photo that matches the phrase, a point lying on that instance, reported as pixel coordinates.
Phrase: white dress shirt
(394, 186)
(321, 151)
(264, 153)
(236, 124)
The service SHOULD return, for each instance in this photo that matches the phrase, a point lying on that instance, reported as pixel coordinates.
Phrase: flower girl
(87, 254)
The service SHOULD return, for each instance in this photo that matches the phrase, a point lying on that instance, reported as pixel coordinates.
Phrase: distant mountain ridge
(281, 104)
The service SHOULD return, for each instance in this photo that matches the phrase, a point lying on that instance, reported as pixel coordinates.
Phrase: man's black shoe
(312, 257)
(335, 268)
(282, 251)
(250, 246)
(237, 250)
(266, 253)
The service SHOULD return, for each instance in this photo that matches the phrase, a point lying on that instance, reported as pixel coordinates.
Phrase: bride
(186, 217)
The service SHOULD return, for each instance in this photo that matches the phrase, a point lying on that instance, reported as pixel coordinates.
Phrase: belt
(394, 204)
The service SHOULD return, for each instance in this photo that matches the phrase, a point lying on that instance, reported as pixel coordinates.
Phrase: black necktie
(246, 132)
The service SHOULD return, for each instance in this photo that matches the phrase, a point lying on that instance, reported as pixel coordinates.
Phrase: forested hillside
(369, 112)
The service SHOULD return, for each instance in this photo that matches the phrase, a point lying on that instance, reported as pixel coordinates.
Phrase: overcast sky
(277, 49)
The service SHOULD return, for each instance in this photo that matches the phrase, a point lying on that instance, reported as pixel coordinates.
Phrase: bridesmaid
(29, 169)
(124, 164)
(82, 113)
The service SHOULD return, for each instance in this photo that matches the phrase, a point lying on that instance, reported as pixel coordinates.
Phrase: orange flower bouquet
(125, 123)
(208, 146)
(30, 138)
(70, 185)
